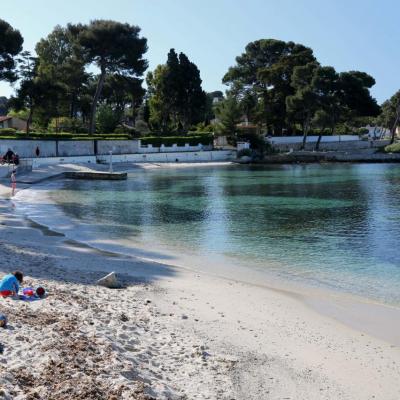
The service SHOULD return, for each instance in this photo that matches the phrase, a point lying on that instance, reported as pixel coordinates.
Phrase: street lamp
(111, 167)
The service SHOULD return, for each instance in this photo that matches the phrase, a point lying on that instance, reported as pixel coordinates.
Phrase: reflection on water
(331, 225)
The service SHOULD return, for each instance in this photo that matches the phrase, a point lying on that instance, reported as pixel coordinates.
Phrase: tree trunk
(396, 122)
(28, 122)
(319, 139)
(305, 132)
(92, 127)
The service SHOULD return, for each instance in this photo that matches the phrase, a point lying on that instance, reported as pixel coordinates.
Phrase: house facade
(12, 122)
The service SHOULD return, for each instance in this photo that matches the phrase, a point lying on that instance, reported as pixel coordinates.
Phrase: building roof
(5, 118)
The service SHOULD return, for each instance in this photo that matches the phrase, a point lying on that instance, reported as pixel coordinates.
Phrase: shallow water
(335, 226)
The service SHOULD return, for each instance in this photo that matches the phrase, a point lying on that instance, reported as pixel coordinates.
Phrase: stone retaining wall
(349, 145)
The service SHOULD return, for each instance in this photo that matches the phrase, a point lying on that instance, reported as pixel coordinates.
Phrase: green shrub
(44, 135)
(64, 136)
(141, 128)
(202, 127)
(107, 119)
(124, 130)
(393, 148)
(68, 125)
(244, 152)
(362, 131)
(7, 131)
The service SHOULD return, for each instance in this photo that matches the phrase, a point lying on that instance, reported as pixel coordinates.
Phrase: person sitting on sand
(9, 285)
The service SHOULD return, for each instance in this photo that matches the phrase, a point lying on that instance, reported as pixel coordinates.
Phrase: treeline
(88, 77)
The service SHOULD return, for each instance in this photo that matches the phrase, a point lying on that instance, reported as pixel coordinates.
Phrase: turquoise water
(335, 226)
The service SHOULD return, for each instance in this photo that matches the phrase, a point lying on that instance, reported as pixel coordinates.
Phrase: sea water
(335, 226)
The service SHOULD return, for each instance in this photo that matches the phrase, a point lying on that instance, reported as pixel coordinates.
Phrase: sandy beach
(176, 333)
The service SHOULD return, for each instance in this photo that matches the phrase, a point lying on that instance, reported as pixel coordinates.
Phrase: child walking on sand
(9, 285)
(13, 182)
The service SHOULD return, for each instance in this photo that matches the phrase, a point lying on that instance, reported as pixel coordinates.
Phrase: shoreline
(350, 309)
(294, 335)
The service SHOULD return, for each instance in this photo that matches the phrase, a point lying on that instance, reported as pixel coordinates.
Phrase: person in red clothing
(9, 285)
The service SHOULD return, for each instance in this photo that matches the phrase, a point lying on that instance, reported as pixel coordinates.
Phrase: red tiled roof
(5, 118)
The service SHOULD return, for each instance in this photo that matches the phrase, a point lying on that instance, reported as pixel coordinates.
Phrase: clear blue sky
(347, 34)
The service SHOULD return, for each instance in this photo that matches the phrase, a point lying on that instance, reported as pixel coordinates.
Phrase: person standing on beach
(13, 182)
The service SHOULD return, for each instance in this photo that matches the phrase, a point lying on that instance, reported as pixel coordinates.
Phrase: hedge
(63, 136)
(193, 140)
(178, 140)
(7, 131)
(393, 148)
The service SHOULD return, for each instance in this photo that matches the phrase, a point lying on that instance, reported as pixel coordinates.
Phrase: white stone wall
(145, 149)
(118, 146)
(5, 170)
(69, 148)
(37, 162)
(311, 139)
(223, 155)
(27, 148)
(346, 145)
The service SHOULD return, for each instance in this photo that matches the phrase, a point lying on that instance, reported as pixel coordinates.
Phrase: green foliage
(115, 48)
(303, 104)
(209, 113)
(388, 111)
(390, 114)
(60, 60)
(62, 136)
(244, 152)
(176, 99)
(7, 131)
(229, 114)
(10, 46)
(3, 105)
(393, 148)
(263, 73)
(142, 128)
(22, 114)
(362, 131)
(257, 142)
(178, 140)
(203, 127)
(66, 124)
(280, 85)
(107, 119)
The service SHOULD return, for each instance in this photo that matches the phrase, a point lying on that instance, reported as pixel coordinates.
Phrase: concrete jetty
(96, 175)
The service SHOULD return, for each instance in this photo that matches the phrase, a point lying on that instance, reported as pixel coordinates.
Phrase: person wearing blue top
(9, 285)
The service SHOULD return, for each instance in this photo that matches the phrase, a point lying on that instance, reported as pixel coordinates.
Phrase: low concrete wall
(222, 155)
(172, 157)
(118, 146)
(5, 170)
(172, 149)
(311, 139)
(37, 162)
(68, 148)
(27, 148)
(72, 148)
(334, 146)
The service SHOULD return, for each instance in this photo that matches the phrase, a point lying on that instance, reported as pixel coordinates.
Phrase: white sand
(173, 333)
